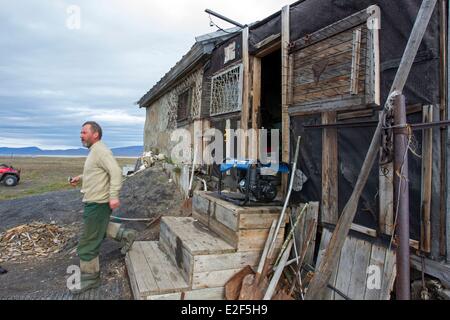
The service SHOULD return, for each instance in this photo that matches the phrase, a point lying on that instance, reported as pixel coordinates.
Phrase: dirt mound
(150, 194)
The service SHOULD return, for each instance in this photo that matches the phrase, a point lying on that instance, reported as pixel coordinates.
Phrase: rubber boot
(126, 236)
(90, 276)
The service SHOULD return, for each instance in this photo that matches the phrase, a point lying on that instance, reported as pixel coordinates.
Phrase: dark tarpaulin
(263, 30)
(218, 56)
(353, 144)
(397, 20)
(310, 157)
(351, 155)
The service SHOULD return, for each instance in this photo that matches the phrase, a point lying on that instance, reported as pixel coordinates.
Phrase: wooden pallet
(192, 260)
(359, 262)
(244, 228)
(151, 271)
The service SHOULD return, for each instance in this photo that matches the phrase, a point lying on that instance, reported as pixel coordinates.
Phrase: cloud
(52, 78)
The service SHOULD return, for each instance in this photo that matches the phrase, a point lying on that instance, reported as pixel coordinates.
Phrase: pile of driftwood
(276, 278)
(35, 240)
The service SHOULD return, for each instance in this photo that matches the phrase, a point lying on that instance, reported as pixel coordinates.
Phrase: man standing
(101, 184)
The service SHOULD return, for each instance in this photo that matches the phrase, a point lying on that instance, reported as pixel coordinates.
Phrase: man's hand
(114, 204)
(75, 181)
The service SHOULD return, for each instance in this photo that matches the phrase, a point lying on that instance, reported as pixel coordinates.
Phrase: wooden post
(436, 194)
(245, 92)
(256, 99)
(427, 167)
(285, 40)
(330, 259)
(386, 199)
(329, 212)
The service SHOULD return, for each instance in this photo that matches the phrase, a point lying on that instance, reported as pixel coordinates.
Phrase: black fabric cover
(353, 144)
(397, 20)
(218, 56)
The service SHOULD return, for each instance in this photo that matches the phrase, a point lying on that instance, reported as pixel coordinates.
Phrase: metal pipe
(402, 196)
(218, 15)
(443, 131)
(366, 124)
(447, 168)
(288, 197)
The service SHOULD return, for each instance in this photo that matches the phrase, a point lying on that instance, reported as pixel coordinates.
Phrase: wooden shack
(309, 70)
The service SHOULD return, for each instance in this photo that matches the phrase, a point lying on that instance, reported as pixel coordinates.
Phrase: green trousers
(96, 219)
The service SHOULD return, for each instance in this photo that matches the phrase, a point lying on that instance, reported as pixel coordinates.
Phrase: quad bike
(9, 176)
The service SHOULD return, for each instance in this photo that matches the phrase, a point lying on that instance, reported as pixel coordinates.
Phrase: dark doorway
(271, 115)
(271, 91)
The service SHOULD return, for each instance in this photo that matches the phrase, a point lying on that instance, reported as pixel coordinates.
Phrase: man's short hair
(95, 128)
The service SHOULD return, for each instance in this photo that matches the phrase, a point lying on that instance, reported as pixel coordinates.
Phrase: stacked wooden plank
(196, 256)
(366, 271)
(244, 228)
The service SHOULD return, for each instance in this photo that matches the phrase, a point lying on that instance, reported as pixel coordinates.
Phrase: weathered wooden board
(377, 259)
(258, 221)
(228, 235)
(196, 237)
(324, 70)
(151, 271)
(358, 280)
(286, 91)
(167, 276)
(212, 279)
(200, 294)
(345, 267)
(427, 175)
(139, 269)
(310, 216)
(244, 228)
(366, 271)
(173, 246)
(219, 262)
(330, 175)
(132, 277)
(327, 293)
(339, 62)
(386, 200)
(255, 239)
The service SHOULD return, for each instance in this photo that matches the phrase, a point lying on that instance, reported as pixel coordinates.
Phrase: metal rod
(218, 15)
(447, 166)
(420, 126)
(402, 195)
(443, 133)
(286, 201)
(414, 126)
(309, 268)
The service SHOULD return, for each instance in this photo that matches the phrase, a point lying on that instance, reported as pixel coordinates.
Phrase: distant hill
(134, 151)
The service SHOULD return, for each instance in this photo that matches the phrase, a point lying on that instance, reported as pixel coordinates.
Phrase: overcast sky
(54, 76)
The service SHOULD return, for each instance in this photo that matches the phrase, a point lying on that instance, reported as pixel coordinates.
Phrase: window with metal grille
(226, 91)
(183, 105)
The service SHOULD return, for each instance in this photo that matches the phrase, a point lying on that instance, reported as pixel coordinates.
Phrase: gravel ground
(148, 194)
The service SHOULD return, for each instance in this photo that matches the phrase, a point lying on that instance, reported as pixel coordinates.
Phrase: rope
(133, 219)
(214, 24)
